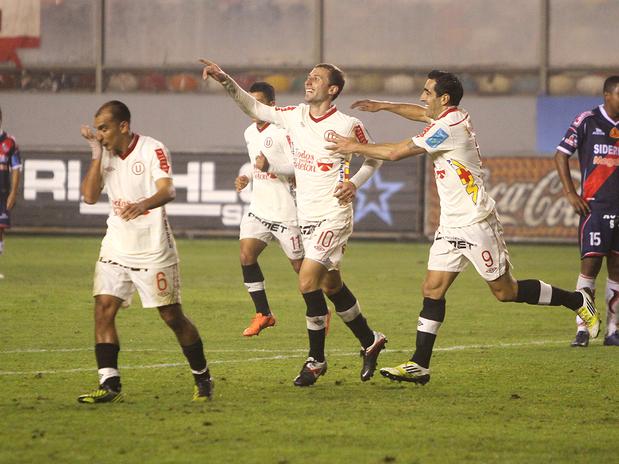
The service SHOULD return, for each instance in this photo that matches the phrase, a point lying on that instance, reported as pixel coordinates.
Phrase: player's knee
(105, 311)
(331, 288)
(247, 258)
(504, 294)
(431, 290)
(307, 284)
(173, 317)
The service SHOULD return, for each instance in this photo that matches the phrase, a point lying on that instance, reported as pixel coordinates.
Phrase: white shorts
(480, 243)
(286, 234)
(325, 241)
(156, 286)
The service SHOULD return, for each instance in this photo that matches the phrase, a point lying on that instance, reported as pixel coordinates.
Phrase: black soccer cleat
(203, 390)
(581, 339)
(370, 356)
(310, 372)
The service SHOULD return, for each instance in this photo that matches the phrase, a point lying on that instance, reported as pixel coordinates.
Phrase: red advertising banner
(529, 198)
(20, 27)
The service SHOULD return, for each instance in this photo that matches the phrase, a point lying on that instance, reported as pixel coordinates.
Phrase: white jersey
(317, 170)
(450, 142)
(272, 197)
(146, 241)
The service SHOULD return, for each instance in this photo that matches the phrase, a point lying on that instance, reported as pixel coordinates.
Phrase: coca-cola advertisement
(529, 199)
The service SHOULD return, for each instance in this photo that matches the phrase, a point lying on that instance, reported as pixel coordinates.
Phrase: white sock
(106, 373)
(1, 246)
(612, 306)
(584, 282)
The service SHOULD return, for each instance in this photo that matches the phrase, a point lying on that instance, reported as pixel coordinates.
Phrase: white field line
(296, 353)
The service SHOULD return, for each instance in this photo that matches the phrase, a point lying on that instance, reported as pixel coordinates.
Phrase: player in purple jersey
(595, 135)
(10, 172)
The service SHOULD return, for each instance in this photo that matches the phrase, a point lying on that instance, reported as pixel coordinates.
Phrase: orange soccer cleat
(259, 322)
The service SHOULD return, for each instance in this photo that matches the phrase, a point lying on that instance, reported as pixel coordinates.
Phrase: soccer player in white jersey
(272, 213)
(469, 228)
(324, 208)
(138, 250)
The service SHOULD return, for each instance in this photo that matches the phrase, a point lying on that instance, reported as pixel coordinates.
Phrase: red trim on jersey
(266, 124)
(163, 161)
(332, 110)
(461, 121)
(451, 109)
(132, 144)
(596, 179)
(360, 134)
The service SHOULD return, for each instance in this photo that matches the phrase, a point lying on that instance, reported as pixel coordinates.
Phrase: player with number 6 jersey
(138, 251)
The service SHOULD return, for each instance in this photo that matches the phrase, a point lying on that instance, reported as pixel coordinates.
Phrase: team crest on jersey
(324, 164)
(598, 131)
(137, 168)
(329, 135)
(268, 142)
(614, 133)
(6, 146)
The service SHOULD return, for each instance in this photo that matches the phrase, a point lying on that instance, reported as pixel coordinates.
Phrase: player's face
(111, 133)
(317, 88)
(434, 103)
(262, 98)
(611, 102)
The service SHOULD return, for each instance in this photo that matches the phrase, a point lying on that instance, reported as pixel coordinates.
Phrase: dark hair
(265, 88)
(120, 112)
(609, 84)
(336, 76)
(447, 83)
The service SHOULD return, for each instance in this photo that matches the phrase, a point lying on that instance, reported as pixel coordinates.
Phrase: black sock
(107, 357)
(197, 362)
(536, 292)
(254, 282)
(431, 317)
(347, 307)
(316, 316)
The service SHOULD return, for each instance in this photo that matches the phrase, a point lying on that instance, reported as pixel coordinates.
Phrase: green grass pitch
(506, 387)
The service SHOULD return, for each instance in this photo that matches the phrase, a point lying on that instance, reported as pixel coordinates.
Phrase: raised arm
(250, 106)
(93, 180)
(563, 168)
(410, 111)
(379, 151)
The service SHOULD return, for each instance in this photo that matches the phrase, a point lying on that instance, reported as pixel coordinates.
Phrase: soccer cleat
(612, 339)
(102, 394)
(408, 372)
(203, 390)
(589, 314)
(370, 356)
(310, 372)
(259, 322)
(581, 339)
